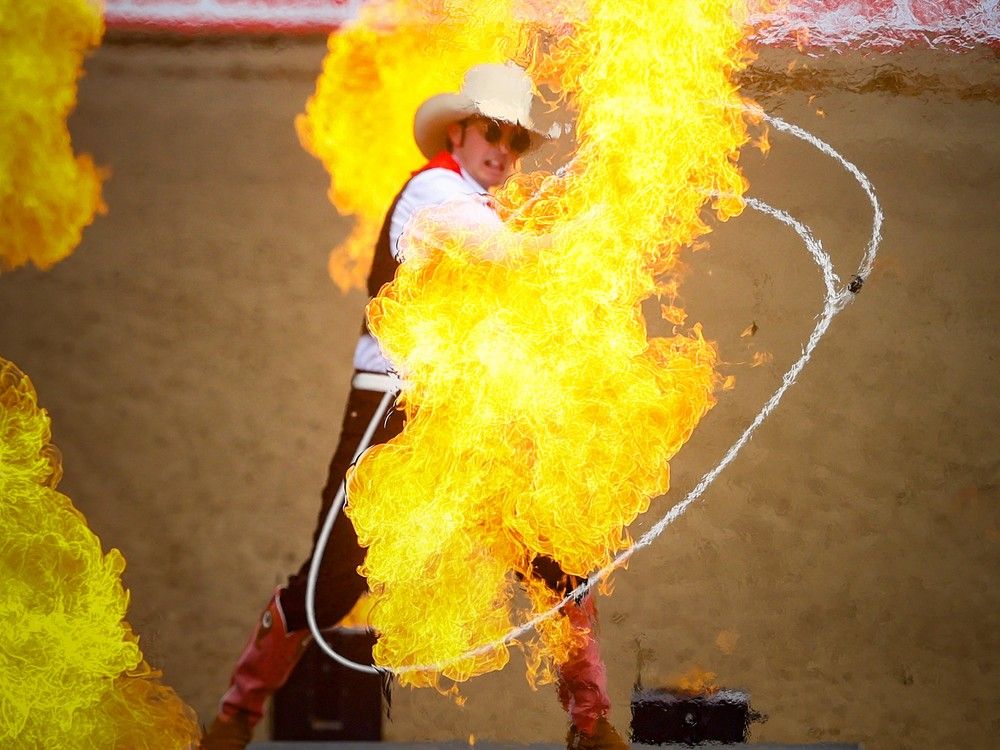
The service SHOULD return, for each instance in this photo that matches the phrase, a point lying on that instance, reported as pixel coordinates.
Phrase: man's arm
(435, 203)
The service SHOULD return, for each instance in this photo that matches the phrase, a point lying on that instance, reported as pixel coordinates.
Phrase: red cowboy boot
(263, 667)
(602, 737)
(583, 686)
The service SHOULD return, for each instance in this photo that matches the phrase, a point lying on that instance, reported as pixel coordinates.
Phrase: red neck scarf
(441, 160)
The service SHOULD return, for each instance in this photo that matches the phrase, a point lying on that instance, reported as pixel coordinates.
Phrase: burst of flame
(47, 195)
(376, 73)
(673, 314)
(763, 143)
(540, 417)
(360, 616)
(71, 672)
(696, 681)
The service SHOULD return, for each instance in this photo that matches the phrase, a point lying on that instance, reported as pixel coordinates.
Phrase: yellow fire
(540, 416)
(47, 195)
(71, 672)
(376, 73)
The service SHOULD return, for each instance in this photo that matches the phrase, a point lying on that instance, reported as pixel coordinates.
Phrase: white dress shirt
(468, 202)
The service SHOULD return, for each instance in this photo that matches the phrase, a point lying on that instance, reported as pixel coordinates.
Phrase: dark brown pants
(339, 585)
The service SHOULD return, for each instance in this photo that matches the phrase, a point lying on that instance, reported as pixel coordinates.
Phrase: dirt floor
(194, 358)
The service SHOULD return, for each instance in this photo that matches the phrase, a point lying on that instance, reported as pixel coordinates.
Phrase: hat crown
(500, 91)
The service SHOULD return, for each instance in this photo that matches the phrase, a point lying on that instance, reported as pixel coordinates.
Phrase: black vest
(384, 264)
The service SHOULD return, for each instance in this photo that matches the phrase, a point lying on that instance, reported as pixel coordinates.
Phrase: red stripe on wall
(827, 24)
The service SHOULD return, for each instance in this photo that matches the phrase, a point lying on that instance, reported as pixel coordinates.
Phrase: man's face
(487, 149)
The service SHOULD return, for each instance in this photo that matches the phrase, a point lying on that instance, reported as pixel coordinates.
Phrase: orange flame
(47, 195)
(673, 314)
(763, 143)
(696, 681)
(540, 417)
(376, 73)
(360, 616)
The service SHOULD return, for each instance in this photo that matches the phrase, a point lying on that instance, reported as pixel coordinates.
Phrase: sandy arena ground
(194, 358)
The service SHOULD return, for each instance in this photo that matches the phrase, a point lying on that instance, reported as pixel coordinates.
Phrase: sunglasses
(518, 142)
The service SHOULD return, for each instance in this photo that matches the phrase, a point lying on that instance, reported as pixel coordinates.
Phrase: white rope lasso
(836, 299)
(324, 537)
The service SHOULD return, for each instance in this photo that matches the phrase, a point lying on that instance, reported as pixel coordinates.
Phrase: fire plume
(540, 415)
(71, 672)
(376, 72)
(47, 195)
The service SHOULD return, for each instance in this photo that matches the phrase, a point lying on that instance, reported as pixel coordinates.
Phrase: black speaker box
(661, 716)
(323, 700)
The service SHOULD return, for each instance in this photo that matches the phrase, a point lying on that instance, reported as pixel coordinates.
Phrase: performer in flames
(472, 140)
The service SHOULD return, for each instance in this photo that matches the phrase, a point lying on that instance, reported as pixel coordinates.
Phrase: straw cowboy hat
(498, 91)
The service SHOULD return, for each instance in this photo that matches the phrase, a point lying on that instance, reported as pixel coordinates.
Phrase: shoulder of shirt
(442, 183)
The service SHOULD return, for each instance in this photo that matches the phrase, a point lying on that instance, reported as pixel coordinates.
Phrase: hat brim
(430, 123)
